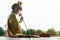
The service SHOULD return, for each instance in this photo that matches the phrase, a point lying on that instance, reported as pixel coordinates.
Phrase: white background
(38, 14)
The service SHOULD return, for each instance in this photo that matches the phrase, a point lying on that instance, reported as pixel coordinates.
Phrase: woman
(15, 19)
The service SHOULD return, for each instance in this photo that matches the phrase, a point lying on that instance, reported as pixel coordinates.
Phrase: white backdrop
(38, 14)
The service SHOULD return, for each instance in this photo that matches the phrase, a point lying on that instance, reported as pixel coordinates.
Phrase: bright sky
(38, 14)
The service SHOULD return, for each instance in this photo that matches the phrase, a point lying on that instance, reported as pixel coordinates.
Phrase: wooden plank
(25, 36)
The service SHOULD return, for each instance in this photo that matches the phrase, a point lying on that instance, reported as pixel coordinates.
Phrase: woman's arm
(21, 19)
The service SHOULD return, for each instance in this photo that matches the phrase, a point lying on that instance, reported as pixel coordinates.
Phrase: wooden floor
(41, 38)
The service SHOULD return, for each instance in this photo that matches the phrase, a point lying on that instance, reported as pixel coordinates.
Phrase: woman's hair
(16, 6)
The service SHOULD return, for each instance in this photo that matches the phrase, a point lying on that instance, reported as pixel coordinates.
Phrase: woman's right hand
(20, 14)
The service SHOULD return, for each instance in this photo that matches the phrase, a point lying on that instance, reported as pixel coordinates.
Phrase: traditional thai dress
(13, 24)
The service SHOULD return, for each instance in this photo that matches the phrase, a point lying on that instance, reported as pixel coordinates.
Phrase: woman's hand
(20, 14)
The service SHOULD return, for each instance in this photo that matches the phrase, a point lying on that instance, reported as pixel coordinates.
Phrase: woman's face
(19, 11)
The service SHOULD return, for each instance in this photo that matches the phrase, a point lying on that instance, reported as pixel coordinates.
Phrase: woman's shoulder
(11, 16)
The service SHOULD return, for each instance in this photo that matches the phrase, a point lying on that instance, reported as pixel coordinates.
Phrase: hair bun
(19, 3)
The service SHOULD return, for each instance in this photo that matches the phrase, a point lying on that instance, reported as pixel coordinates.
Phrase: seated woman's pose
(15, 19)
